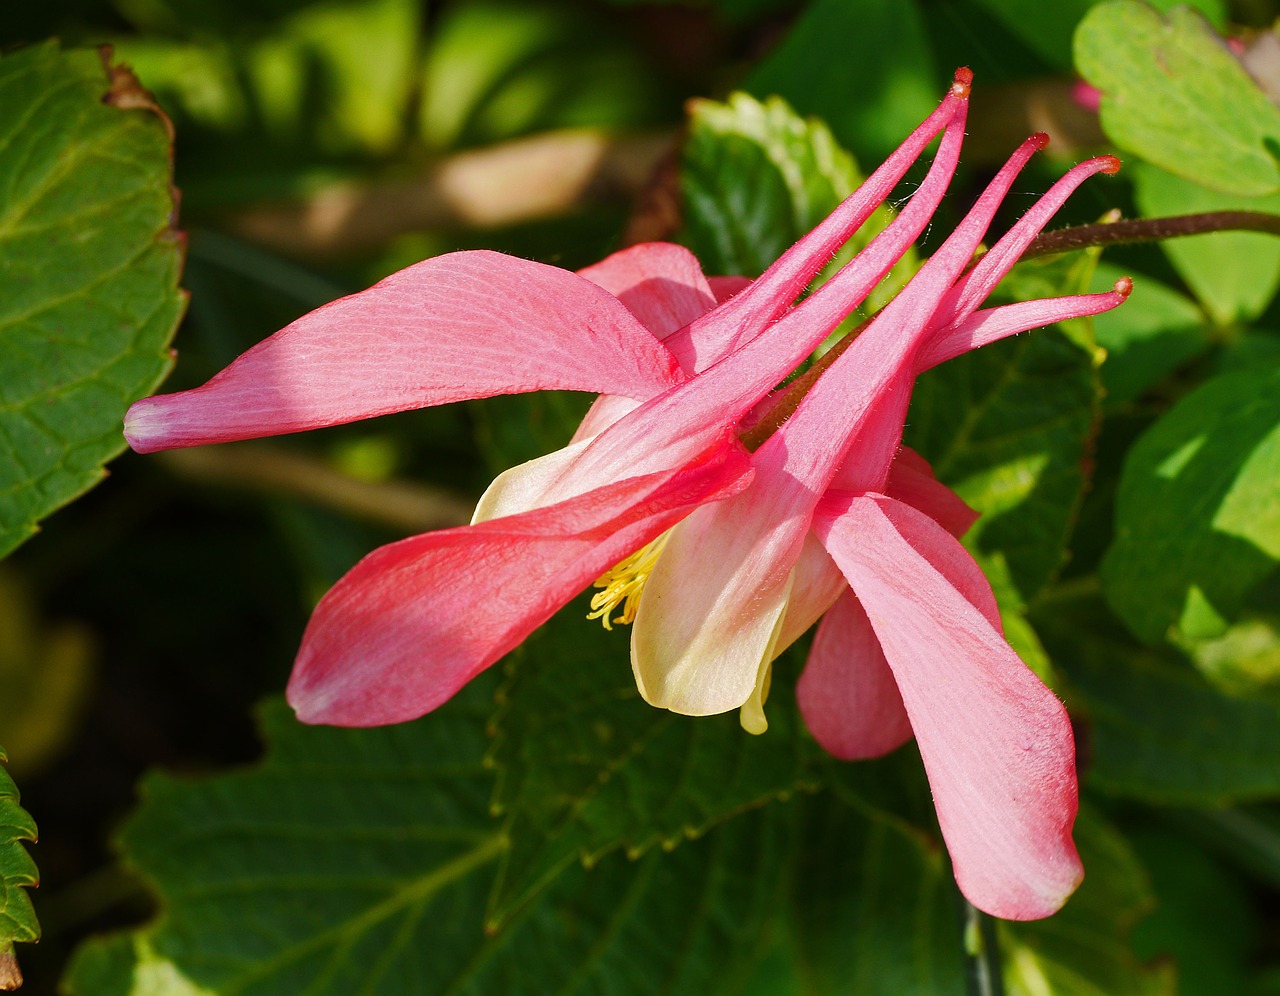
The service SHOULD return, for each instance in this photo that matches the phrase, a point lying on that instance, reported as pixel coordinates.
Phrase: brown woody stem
(1151, 230)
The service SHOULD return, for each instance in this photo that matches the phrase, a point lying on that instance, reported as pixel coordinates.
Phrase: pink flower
(477, 323)
(737, 552)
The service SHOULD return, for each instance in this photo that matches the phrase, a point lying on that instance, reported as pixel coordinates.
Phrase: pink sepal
(997, 744)
(465, 325)
(414, 621)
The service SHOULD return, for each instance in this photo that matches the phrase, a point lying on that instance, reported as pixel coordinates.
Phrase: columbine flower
(920, 648)
(402, 631)
(722, 553)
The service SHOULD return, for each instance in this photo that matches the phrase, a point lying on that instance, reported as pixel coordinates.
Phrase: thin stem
(1104, 233)
(263, 467)
(1151, 230)
(982, 952)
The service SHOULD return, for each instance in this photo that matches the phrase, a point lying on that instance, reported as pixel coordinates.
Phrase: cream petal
(708, 617)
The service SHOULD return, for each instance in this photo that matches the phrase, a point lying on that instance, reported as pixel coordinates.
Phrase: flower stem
(1108, 233)
(982, 952)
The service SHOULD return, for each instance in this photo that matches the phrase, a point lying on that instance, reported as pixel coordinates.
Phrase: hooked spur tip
(1124, 286)
(1112, 165)
(961, 82)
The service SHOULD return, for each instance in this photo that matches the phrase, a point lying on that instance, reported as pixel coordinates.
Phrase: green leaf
(755, 178)
(1174, 94)
(357, 861)
(88, 278)
(1156, 331)
(1233, 274)
(1211, 954)
(1008, 427)
(1152, 727)
(864, 68)
(1197, 513)
(873, 906)
(1085, 949)
(586, 766)
(17, 874)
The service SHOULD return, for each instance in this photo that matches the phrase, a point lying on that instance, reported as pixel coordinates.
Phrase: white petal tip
(146, 426)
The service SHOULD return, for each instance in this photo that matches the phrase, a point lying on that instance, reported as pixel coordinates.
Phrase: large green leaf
(1152, 727)
(873, 905)
(89, 264)
(1214, 954)
(1173, 93)
(358, 861)
(586, 766)
(875, 911)
(1197, 514)
(1158, 330)
(17, 874)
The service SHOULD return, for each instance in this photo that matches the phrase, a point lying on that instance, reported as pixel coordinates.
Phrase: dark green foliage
(89, 264)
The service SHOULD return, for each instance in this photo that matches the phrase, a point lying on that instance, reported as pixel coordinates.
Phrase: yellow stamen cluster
(623, 583)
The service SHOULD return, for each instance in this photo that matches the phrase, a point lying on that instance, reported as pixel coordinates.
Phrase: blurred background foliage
(320, 146)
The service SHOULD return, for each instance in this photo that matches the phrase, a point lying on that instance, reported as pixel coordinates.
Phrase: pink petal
(466, 325)
(997, 745)
(416, 620)
(859, 404)
(847, 694)
(818, 315)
